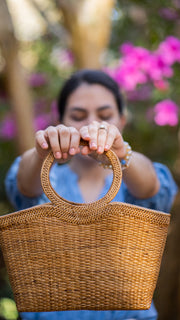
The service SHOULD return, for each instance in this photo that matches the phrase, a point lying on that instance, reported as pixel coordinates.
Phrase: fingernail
(44, 145)
(72, 151)
(57, 155)
(100, 149)
(93, 145)
(86, 135)
(107, 147)
(65, 155)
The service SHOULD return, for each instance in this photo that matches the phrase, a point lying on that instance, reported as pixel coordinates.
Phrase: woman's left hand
(103, 136)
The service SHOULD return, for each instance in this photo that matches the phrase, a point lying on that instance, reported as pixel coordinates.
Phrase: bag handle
(81, 207)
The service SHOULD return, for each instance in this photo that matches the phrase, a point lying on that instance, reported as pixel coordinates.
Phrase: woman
(91, 108)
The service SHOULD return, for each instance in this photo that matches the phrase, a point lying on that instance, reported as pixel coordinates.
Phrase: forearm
(28, 178)
(140, 177)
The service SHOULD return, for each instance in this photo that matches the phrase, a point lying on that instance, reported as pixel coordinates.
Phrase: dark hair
(90, 77)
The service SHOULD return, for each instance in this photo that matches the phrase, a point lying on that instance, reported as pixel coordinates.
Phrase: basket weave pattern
(98, 256)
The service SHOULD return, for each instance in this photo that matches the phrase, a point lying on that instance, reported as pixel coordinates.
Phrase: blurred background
(138, 43)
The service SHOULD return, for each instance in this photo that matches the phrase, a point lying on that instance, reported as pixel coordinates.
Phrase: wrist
(39, 158)
(125, 161)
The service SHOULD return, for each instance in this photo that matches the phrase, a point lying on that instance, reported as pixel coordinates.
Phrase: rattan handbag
(67, 256)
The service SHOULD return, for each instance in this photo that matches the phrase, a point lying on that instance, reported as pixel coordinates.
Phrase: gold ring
(102, 127)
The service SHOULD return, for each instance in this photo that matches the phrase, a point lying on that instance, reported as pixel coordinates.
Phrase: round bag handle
(81, 208)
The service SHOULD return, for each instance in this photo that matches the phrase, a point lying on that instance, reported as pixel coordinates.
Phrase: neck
(87, 168)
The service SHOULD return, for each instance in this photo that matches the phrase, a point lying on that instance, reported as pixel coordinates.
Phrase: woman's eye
(78, 118)
(105, 117)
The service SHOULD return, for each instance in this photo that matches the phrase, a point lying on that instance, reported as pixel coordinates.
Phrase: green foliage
(158, 143)
(8, 309)
(7, 155)
(141, 23)
(146, 28)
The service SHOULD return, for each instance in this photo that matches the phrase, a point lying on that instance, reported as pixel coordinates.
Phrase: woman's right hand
(61, 140)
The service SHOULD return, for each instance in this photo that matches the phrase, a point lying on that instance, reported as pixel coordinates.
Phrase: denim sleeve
(163, 200)
(18, 200)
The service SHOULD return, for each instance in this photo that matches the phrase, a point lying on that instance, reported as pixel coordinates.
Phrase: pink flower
(169, 50)
(37, 80)
(139, 66)
(126, 48)
(135, 55)
(42, 121)
(8, 128)
(161, 85)
(128, 75)
(166, 113)
(156, 67)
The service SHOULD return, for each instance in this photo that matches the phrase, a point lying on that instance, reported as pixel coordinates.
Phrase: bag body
(68, 256)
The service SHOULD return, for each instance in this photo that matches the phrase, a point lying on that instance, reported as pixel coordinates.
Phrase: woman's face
(92, 102)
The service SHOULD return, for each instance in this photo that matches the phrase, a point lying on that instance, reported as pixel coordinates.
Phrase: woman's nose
(92, 118)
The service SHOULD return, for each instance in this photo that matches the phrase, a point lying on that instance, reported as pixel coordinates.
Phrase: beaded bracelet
(124, 162)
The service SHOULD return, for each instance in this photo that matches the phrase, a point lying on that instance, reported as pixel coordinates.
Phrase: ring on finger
(102, 127)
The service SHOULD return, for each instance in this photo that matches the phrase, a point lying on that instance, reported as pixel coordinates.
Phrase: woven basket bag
(67, 256)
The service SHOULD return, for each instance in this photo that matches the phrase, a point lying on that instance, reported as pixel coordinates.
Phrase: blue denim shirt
(65, 182)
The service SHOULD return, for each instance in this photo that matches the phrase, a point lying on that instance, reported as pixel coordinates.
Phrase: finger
(111, 136)
(64, 140)
(84, 132)
(85, 150)
(93, 132)
(41, 139)
(102, 136)
(120, 146)
(74, 141)
(53, 137)
(115, 141)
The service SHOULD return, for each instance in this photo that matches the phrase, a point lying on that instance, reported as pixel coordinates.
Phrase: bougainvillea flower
(139, 65)
(37, 80)
(162, 85)
(8, 128)
(135, 55)
(42, 121)
(126, 48)
(157, 69)
(166, 113)
(128, 75)
(169, 50)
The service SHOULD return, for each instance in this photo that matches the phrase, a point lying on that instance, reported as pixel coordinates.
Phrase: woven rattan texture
(54, 197)
(99, 257)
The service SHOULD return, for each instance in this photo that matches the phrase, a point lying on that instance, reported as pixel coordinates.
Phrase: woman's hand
(62, 140)
(102, 137)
